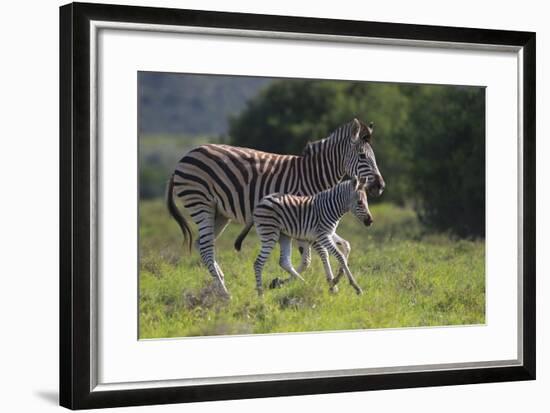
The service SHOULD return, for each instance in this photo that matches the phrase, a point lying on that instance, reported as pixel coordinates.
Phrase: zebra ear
(355, 130)
(368, 131)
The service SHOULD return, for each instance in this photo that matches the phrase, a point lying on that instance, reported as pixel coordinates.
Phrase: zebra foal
(312, 219)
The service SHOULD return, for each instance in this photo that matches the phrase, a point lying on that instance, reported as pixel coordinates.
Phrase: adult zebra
(219, 183)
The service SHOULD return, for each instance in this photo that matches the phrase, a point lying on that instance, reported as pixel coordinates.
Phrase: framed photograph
(258, 206)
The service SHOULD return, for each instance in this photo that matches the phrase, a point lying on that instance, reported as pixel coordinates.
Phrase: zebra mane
(316, 146)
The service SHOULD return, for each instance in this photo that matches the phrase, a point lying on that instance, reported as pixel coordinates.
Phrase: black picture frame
(75, 220)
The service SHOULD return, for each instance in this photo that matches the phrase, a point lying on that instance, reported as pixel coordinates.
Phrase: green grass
(410, 279)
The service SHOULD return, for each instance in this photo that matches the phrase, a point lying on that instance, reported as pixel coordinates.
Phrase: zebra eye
(362, 155)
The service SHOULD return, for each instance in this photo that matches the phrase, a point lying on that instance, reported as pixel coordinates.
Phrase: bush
(429, 140)
(285, 116)
(288, 114)
(447, 144)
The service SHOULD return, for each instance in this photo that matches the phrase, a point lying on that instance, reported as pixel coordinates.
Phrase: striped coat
(281, 217)
(219, 183)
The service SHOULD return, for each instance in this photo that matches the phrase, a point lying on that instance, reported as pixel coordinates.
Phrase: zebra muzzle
(376, 188)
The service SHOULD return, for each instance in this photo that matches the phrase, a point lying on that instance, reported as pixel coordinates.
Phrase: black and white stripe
(312, 219)
(218, 183)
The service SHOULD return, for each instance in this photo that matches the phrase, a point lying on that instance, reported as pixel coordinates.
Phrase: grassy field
(409, 278)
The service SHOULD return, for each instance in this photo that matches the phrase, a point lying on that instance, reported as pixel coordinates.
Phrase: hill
(175, 103)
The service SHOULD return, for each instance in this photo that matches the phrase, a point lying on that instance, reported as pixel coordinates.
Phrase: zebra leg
(305, 250)
(268, 239)
(285, 260)
(323, 253)
(345, 248)
(220, 223)
(205, 244)
(331, 246)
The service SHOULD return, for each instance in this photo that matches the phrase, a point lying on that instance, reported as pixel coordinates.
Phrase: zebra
(313, 219)
(221, 183)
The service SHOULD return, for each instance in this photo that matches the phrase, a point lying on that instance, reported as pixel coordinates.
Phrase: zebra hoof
(276, 283)
(223, 293)
(359, 291)
(333, 289)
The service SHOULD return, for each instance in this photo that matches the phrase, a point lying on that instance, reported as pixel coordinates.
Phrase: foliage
(447, 146)
(410, 278)
(429, 140)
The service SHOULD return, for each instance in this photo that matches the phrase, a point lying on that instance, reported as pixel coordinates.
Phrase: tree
(447, 146)
(285, 116)
(429, 140)
(290, 113)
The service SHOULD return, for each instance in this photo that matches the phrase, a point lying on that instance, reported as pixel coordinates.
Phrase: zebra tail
(176, 214)
(242, 236)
